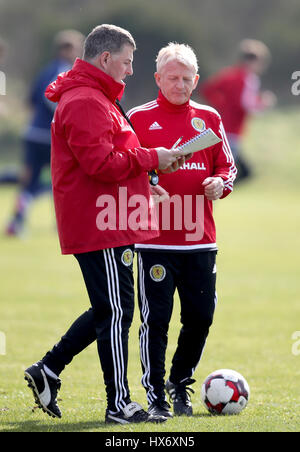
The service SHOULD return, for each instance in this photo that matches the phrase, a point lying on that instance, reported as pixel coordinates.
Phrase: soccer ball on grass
(225, 391)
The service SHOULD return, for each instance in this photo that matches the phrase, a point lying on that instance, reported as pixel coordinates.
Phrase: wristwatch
(153, 177)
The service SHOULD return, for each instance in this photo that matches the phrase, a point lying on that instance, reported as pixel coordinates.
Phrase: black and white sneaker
(131, 414)
(179, 396)
(160, 408)
(44, 389)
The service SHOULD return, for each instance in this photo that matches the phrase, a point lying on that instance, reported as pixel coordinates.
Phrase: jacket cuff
(154, 159)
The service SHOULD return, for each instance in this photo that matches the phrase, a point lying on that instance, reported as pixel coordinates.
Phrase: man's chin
(178, 99)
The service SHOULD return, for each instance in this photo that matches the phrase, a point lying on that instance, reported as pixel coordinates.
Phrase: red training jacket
(186, 221)
(98, 165)
(234, 92)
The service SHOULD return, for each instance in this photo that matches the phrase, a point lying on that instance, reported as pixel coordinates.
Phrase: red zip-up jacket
(96, 156)
(186, 221)
(234, 92)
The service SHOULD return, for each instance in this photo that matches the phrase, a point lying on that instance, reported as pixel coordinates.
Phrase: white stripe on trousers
(144, 334)
(116, 327)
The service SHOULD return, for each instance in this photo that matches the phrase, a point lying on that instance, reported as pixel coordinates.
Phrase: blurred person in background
(68, 45)
(235, 92)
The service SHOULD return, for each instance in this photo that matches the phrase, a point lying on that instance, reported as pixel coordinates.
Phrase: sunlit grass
(258, 309)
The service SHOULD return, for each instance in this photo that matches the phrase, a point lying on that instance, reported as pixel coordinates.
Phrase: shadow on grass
(80, 426)
(38, 426)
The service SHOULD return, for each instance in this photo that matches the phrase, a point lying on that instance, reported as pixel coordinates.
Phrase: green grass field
(258, 310)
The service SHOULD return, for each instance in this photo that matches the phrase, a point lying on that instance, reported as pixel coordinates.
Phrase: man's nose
(180, 84)
(130, 70)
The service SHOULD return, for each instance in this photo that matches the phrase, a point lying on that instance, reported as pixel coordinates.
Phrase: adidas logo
(155, 126)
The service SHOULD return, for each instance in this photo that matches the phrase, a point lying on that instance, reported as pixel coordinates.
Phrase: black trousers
(194, 276)
(108, 276)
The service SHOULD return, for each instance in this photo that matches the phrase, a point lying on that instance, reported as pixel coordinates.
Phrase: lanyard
(153, 176)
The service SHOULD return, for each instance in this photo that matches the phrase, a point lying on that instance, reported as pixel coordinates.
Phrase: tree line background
(212, 27)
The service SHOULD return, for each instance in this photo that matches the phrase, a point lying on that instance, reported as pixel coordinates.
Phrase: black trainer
(160, 408)
(180, 397)
(44, 389)
(132, 414)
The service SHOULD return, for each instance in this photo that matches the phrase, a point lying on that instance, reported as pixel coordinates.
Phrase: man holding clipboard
(183, 257)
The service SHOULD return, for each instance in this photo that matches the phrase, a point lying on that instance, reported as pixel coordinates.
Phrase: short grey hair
(252, 49)
(179, 52)
(72, 38)
(106, 38)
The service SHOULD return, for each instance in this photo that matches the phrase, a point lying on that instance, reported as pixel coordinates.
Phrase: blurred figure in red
(235, 93)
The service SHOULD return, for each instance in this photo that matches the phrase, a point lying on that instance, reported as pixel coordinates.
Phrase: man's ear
(196, 80)
(157, 78)
(103, 59)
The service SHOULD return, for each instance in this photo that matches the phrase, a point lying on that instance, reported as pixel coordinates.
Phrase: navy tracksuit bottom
(109, 283)
(194, 277)
(108, 276)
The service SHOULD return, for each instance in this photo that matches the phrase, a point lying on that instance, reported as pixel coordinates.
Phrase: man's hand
(175, 166)
(158, 193)
(169, 159)
(213, 187)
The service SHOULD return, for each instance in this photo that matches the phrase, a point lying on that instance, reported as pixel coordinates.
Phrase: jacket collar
(95, 77)
(172, 108)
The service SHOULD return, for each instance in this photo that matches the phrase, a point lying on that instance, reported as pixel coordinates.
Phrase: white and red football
(225, 391)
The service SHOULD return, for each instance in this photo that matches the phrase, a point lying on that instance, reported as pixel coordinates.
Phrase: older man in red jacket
(100, 172)
(183, 257)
